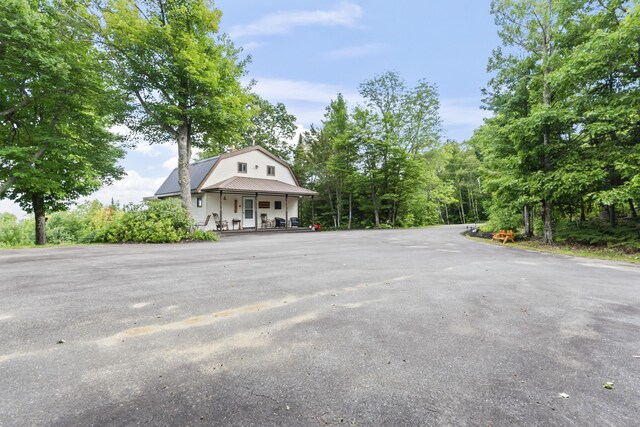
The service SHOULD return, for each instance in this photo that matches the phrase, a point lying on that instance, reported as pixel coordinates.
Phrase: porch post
(255, 208)
(220, 210)
(313, 209)
(286, 210)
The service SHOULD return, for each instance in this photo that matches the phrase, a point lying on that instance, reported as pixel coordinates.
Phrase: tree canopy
(565, 98)
(56, 108)
(183, 81)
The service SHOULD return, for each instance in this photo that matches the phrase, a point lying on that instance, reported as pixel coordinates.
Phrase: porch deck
(265, 230)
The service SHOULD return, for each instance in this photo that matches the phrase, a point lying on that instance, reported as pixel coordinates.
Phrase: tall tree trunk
(531, 220)
(527, 221)
(634, 214)
(376, 210)
(613, 220)
(464, 221)
(350, 209)
(393, 214)
(338, 206)
(184, 158)
(446, 212)
(583, 215)
(547, 231)
(547, 228)
(41, 221)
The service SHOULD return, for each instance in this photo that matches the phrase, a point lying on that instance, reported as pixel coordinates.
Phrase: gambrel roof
(201, 171)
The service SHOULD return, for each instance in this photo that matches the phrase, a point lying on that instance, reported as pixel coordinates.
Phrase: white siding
(228, 168)
(232, 208)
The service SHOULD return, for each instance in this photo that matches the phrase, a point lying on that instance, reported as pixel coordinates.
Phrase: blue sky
(304, 53)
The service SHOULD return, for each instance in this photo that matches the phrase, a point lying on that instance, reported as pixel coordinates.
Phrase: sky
(304, 53)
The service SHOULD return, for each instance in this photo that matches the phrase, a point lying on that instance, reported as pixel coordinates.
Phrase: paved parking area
(390, 327)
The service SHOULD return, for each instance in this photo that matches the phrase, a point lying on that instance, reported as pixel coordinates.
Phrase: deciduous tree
(183, 80)
(56, 108)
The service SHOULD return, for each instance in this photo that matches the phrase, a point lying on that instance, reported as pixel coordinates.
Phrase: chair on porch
(294, 222)
(220, 225)
(266, 222)
(202, 225)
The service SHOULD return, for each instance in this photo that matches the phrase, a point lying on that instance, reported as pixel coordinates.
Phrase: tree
(56, 108)
(270, 126)
(405, 124)
(539, 30)
(184, 82)
(344, 154)
(602, 78)
(566, 101)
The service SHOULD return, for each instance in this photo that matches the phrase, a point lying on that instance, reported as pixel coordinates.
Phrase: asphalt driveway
(391, 327)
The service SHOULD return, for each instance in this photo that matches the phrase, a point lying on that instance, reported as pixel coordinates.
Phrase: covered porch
(242, 204)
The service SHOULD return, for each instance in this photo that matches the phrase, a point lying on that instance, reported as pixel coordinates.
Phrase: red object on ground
(316, 227)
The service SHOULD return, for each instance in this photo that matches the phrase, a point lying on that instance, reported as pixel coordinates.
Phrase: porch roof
(241, 184)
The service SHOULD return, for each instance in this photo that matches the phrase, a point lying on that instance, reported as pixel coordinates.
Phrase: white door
(248, 218)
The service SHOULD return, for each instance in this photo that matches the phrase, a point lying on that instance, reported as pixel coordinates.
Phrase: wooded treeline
(382, 164)
(563, 144)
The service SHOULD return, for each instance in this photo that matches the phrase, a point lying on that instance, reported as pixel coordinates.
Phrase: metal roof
(257, 185)
(198, 171)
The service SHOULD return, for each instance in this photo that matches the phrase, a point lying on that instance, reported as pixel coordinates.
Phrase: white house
(248, 188)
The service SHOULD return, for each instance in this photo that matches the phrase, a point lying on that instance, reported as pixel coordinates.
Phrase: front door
(248, 218)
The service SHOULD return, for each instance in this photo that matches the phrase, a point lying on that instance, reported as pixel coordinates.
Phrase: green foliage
(155, 221)
(565, 131)
(382, 163)
(204, 235)
(56, 107)
(599, 233)
(184, 82)
(270, 127)
(14, 232)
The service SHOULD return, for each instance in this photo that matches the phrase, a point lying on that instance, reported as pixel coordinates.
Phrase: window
(242, 167)
(271, 170)
(277, 205)
(199, 202)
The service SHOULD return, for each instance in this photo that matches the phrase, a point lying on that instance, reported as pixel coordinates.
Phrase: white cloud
(171, 163)
(253, 45)
(462, 111)
(305, 100)
(132, 188)
(346, 14)
(360, 51)
(151, 150)
(7, 205)
(299, 90)
(461, 116)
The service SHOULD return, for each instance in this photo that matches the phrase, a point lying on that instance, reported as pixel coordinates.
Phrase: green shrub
(599, 233)
(69, 227)
(204, 235)
(14, 232)
(504, 218)
(155, 221)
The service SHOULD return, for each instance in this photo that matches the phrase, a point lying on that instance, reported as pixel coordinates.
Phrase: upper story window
(199, 202)
(271, 170)
(242, 167)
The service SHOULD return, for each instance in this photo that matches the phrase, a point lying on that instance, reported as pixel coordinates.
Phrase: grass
(609, 254)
